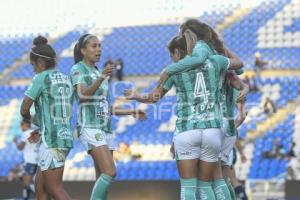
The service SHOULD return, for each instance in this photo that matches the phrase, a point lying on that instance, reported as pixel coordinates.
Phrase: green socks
(231, 190)
(100, 187)
(188, 189)
(221, 190)
(205, 190)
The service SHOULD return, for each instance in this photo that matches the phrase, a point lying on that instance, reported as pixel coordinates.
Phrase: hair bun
(40, 40)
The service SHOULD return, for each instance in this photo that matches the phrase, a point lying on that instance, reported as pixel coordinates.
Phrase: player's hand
(242, 96)
(140, 115)
(108, 70)
(129, 94)
(34, 136)
(243, 158)
(172, 150)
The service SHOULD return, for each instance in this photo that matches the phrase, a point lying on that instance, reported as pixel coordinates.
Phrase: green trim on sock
(188, 189)
(231, 190)
(205, 190)
(100, 188)
(221, 190)
(204, 183)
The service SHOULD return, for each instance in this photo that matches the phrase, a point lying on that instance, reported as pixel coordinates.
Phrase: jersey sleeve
(202, 50)
(221, 62)
(200, 53)
(35, 89)
(168, 84)
(77, 76)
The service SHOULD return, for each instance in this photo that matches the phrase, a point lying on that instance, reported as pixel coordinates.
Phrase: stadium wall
(125, 190)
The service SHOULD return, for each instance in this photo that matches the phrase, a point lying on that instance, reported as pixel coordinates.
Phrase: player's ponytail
(191, 40)
(77, 54)
(42, 50)
(205, 33)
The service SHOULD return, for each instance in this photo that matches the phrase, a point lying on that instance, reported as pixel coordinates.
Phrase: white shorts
(229, 160)
(203, 144)
(96, 138)
(110, 138)
(227, 147)
(51, 158)
(227, 143)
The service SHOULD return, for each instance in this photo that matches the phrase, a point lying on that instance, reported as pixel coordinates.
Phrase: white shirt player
(30, 150)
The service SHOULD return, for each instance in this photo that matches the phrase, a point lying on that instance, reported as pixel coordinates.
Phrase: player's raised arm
(136, 113)
(151, 97)
(84, 91)
(234, 60)
(238, 84)
(241, 106)
(200, 54)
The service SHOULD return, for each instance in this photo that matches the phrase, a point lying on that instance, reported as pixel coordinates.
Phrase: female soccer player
(239, 189)
(51, 92)
(231, 135)
(229, 102)
(94, 120)
(30, 153)
(203, 41)
(197, 139)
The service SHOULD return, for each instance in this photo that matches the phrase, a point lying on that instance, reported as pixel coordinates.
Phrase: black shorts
(30, 169)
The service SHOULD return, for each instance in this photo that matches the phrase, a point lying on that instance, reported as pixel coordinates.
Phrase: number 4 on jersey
(200, 89)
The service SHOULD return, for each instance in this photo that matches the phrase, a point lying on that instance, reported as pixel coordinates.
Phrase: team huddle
(204, 73)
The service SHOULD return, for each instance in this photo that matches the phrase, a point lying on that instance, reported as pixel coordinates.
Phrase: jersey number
(63, 99)
(200, 89)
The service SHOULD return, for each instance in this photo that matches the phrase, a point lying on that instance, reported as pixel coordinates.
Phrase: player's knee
(111, 172)
(53, 190)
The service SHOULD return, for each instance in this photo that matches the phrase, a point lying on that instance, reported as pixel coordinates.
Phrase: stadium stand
(271, 28)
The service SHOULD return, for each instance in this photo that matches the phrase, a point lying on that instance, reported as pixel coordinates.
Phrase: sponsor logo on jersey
(64, 133)
(42, 163)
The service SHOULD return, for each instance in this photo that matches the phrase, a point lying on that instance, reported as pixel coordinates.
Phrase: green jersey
(200, 54)
(197, 93)
(52, 94)
(96, 112)
(228, 97)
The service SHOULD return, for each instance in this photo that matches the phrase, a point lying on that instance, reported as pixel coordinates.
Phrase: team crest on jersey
(98, 136)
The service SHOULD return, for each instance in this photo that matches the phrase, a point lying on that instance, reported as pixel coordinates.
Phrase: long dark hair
(83, 40)
(178, 42)
(42, 50)
(201, 31)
